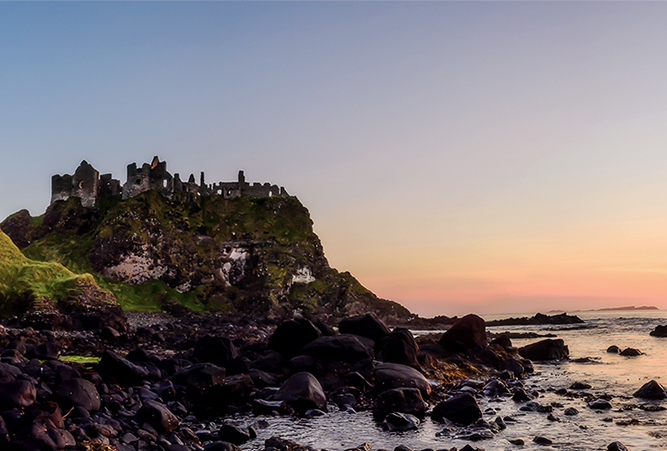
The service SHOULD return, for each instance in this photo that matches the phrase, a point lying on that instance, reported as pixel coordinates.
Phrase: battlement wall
(87, 184)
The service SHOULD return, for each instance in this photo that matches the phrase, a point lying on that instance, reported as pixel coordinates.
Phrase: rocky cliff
(246, 255)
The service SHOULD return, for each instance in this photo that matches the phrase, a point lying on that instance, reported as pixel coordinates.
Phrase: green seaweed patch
(81, 359)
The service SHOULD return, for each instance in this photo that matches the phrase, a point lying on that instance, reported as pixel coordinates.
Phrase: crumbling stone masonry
(87, 184)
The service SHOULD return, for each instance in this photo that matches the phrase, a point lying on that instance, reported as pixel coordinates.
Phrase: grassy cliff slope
(246, 255)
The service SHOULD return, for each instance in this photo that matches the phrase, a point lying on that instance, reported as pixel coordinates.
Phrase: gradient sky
(455, 157)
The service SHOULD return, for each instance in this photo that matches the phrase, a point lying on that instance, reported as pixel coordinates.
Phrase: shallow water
(606, 373)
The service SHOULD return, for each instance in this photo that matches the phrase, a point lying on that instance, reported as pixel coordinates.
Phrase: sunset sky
(488, 157)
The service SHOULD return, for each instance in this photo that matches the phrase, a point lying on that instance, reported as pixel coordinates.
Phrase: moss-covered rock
(48, 295)
(246, 255)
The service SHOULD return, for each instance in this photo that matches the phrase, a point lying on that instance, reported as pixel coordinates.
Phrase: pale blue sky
(449, 152)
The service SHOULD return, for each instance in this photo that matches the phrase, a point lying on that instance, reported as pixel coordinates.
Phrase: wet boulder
(157, 415)
(395, 375)
(342, 348)
(302, 392)
(548, 349)
(630, 352)
(78, 392)
(404, 400)
(399, 347)
(291, 336)
(513, 366)
(495, 387)
(613, 349)
(467, 333)
(659, 331)
(651, 390)
(221, 446)
(400, 422)
(461, 409)
(616, 446)
(216, 350)
(235, 434)
(599, 404)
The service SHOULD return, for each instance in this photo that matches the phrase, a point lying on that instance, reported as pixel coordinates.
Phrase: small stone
(599, 404)
(571, 411)
(542, 441)
(616, 446)
(517, 441)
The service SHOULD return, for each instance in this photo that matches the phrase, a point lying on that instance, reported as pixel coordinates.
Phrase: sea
(638, 424)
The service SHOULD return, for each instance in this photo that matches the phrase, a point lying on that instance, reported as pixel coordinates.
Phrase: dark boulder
(513, 366)
(630, 352)
(291, 336)
(78, 392)
(234, 434)
(399, 347)
(342, 348)
(467, 333)
(217, 350)
(4, 432)
(599, 404)
(200, 377)
(659, 331)
(395, 375)
(124, 372)
(368, 325)
(616, 446)
(234, 390)
(279, 444)
(157, 415)
(404, 400)
(221, 446)
(502, 340)
(47, 351)
(397, 421)
(613, 349)
(651, 390)
(302, 392)
(42, 434)
(431, 350)
(461, 409)
(109, 334)
(548, 349)
(18, 393)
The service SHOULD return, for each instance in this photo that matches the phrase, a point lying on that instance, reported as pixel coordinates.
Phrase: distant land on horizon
(610, 309)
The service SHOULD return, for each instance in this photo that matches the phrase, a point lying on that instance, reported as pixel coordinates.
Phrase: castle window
(137, 182)
(164, 183)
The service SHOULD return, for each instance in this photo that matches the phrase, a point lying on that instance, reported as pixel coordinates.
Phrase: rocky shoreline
(169, 382)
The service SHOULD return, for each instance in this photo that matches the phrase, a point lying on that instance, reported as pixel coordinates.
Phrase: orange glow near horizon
(587, 266)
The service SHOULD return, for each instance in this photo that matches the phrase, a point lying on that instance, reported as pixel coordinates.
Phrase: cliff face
(245, 255)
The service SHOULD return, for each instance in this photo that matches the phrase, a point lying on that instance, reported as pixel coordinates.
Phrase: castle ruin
(88, 185)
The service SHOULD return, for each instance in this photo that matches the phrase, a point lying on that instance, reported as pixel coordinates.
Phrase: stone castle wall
(87, 184)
